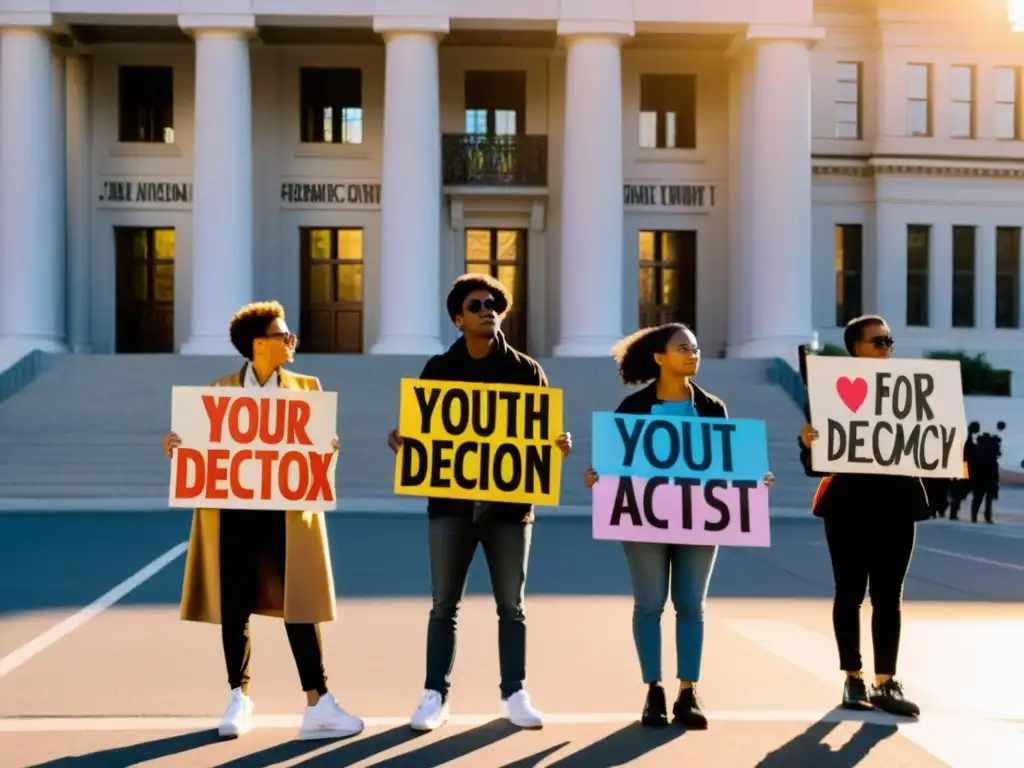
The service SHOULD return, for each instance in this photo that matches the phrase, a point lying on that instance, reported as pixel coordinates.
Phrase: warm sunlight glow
(1015, 9)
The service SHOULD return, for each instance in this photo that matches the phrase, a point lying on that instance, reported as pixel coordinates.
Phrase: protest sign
(242, 450)
(676, 479)
(480, 442)
(887, 417)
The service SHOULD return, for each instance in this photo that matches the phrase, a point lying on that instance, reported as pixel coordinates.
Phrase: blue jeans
(652, 568)
(453, 542)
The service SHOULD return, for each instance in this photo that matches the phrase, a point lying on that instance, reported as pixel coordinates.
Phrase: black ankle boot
(655, 710)
(686, 711)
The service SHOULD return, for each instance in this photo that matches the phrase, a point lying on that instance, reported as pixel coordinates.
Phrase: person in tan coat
(244, 561)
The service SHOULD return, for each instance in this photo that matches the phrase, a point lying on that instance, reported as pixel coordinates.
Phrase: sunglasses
(287, 338)
(473, 306)
(883, 342)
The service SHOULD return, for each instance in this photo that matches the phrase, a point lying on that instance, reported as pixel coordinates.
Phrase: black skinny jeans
(249, 540)
(869, 554)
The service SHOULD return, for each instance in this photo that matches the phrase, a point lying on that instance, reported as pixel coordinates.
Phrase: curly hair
(635, 354)
(855, 329)
(251, 323)
(466, 284)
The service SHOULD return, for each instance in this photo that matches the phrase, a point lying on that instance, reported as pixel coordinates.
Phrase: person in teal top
(666, 358)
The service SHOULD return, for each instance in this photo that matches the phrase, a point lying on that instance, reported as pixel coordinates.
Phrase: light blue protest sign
(669, 445)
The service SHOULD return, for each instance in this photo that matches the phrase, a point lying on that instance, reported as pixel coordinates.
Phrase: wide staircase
(89, 428)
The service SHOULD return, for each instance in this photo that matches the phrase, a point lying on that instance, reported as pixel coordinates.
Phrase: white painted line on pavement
(972, 558)
(15, 659)
(71, 724)
(961, 740)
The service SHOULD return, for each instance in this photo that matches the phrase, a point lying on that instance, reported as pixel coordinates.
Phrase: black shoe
(888, 697)
(655, 713)
(855, 694)
(686, 711)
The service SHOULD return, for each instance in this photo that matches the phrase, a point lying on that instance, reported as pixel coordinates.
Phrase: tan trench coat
(307, 594)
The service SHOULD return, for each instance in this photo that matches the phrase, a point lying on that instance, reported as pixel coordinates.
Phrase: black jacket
(504, 365)
(641, 402)
(866, 496)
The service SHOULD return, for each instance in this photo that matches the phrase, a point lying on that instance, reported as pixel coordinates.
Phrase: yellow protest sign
(480, 442)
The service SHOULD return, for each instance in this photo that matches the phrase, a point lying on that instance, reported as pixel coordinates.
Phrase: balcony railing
(494, 161)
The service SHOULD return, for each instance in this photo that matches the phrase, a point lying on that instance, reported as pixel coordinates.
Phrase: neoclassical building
(761, 170)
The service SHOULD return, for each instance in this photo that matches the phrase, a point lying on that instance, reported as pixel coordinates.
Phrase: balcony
(477, 160)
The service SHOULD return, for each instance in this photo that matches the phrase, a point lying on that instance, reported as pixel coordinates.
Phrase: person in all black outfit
(961, 489)
(870, 527)
(476, 304)
(666, 359)
(985, 479)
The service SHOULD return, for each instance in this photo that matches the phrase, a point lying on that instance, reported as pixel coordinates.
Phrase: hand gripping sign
(672, 479)
(887, 417)
(246, 450)
(480, 442)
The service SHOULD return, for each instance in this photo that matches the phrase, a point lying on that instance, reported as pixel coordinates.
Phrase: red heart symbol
(852, 393)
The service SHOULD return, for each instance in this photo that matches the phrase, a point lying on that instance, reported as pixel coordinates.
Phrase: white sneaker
(237, 718)
(518, 710)
(327, 720)
(432, 712)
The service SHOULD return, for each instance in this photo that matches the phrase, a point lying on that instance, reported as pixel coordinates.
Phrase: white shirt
(249, 381)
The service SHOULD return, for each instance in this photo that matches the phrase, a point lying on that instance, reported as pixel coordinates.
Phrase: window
(501, 253)
(668, 111)
(1007, 98)
(918, 259)
(848, 100)
(668, 278)
(495, 103)
(919, 113)
(848, 255)
(961, 85)
(1007, 277)
(963, 277)
(331, 105)
(332, 291)
(146, 105)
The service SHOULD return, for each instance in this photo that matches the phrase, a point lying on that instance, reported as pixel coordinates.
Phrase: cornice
(910, 166)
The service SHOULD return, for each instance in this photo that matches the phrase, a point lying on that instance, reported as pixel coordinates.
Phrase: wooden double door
(144, 267)
(502, 254)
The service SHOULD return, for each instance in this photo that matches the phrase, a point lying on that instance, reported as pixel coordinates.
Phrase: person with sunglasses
(476, 304)
(243, 561)
(870, 528)
(665, 359)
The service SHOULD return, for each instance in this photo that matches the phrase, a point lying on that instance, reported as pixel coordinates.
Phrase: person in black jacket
(666, 358)
(476, 304)
(870, 527)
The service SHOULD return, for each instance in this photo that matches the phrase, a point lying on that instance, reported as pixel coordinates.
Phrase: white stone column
(31, 221)
(78, 71)
(222, 179)
(411, 296)
(592, 268)
(778, 194)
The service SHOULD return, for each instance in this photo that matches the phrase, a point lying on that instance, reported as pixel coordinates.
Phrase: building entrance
(501, 253)
(668, 278)
(145, 290)
(332, 291)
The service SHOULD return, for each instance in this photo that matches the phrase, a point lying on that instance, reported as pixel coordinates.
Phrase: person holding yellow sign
(483, 449)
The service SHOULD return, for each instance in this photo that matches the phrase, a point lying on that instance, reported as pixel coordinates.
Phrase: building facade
(758, 170)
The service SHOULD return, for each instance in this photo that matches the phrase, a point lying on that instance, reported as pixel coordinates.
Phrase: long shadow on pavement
(621, 747)
(136, 753)
(809, 748)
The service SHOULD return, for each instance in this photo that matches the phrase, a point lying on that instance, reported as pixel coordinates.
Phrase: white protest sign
(247, 449)
(887, 417)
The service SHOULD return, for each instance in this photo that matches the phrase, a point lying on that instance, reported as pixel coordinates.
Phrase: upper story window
(961, 86)
(848, 101)
(331, 105)
(668, 111)
(919, 109)
(495, 103)
(145, 104)
(1007, 103)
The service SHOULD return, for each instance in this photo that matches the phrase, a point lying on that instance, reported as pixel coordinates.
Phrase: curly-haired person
(242, 562)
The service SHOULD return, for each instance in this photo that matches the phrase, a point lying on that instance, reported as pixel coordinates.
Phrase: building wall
(883, 180)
